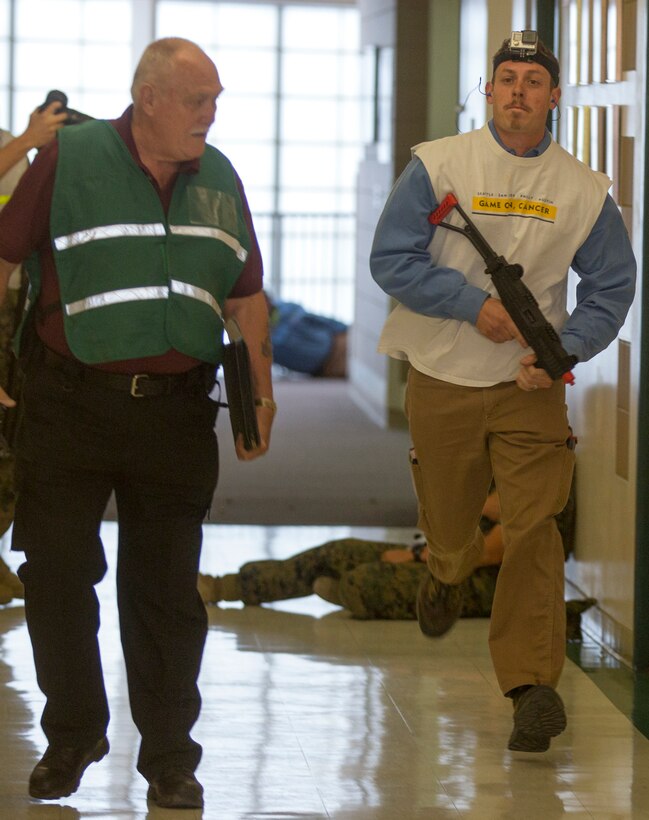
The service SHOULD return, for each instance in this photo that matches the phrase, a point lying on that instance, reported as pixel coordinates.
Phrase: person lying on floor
(378, 580)
(307, 342)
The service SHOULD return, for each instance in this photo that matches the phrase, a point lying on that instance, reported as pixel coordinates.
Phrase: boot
(215, 588)
(439, 606)
(573, 617)
(328, 589)
(209, 588)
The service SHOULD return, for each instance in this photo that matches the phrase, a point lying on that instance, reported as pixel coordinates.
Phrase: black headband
(548, 63)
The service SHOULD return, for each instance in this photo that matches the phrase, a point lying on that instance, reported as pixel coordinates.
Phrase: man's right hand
(43, 125)
(496, 324)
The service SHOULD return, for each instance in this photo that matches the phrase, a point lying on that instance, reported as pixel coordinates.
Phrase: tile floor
(309, 714)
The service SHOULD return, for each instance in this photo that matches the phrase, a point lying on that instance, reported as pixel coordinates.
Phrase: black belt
(139, 385)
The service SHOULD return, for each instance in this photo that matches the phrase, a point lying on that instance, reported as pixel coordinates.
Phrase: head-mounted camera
(525, 46)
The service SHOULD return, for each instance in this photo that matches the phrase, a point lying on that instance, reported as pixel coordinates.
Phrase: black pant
(77, 443)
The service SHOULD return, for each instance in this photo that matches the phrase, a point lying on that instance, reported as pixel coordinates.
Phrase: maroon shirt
(25, 227)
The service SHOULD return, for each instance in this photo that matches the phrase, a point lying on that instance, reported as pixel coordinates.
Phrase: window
(81, 47)
(289, 119)
(5, 62)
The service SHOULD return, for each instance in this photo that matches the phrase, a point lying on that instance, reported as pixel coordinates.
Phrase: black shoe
(58, 773)
(573, 617)
(176, 789)
(539, 715)
(438, 606)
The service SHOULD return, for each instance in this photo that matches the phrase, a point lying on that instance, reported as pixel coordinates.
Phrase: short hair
(543, 56)
(157, 61)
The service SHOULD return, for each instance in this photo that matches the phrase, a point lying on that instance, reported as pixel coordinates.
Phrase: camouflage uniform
(368, 586)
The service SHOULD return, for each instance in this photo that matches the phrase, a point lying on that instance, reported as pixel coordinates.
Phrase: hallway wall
(413, 46)
(603, 123)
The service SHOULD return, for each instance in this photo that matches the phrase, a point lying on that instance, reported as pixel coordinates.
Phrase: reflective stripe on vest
(62, 243)
(212, 233)
(194, 292)
(114, 297)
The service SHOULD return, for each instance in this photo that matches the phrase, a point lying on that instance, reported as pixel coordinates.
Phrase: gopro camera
(523, 44)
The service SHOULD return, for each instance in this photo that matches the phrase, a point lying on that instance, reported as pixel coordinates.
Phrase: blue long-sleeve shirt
(402, 267)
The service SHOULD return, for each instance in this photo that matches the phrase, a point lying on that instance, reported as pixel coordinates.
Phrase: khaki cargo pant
(464, 437)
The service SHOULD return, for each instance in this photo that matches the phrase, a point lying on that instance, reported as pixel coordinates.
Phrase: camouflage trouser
(7, 497)
(370, 588)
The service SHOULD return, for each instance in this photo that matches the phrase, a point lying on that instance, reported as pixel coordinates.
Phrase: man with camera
(42, 127)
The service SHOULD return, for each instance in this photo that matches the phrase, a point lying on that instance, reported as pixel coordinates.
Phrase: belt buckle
(135, 385)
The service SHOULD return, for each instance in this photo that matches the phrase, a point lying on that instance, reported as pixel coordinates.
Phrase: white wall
(604, 563)
(484, 24)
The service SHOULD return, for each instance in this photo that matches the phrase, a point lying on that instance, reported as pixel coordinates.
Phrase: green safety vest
(134, 282)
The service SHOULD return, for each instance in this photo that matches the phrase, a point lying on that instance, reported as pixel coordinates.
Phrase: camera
(74, 117)
(523, 44)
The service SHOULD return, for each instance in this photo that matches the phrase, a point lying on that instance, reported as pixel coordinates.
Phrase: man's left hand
(265, 417)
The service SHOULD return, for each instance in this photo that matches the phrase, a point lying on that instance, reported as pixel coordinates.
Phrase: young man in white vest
(139, 239)
(477, 404)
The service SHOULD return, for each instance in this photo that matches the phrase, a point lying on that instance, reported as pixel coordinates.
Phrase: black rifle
(516, 297)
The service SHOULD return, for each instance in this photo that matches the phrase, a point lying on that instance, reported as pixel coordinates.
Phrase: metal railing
(309, 258)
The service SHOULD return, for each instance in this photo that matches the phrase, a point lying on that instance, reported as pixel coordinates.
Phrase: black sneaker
(539, 715)
(438, 606)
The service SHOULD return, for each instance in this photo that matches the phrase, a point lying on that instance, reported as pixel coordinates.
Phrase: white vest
(536, 211)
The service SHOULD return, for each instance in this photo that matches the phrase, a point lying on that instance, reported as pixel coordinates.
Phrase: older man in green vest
(138, 242)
